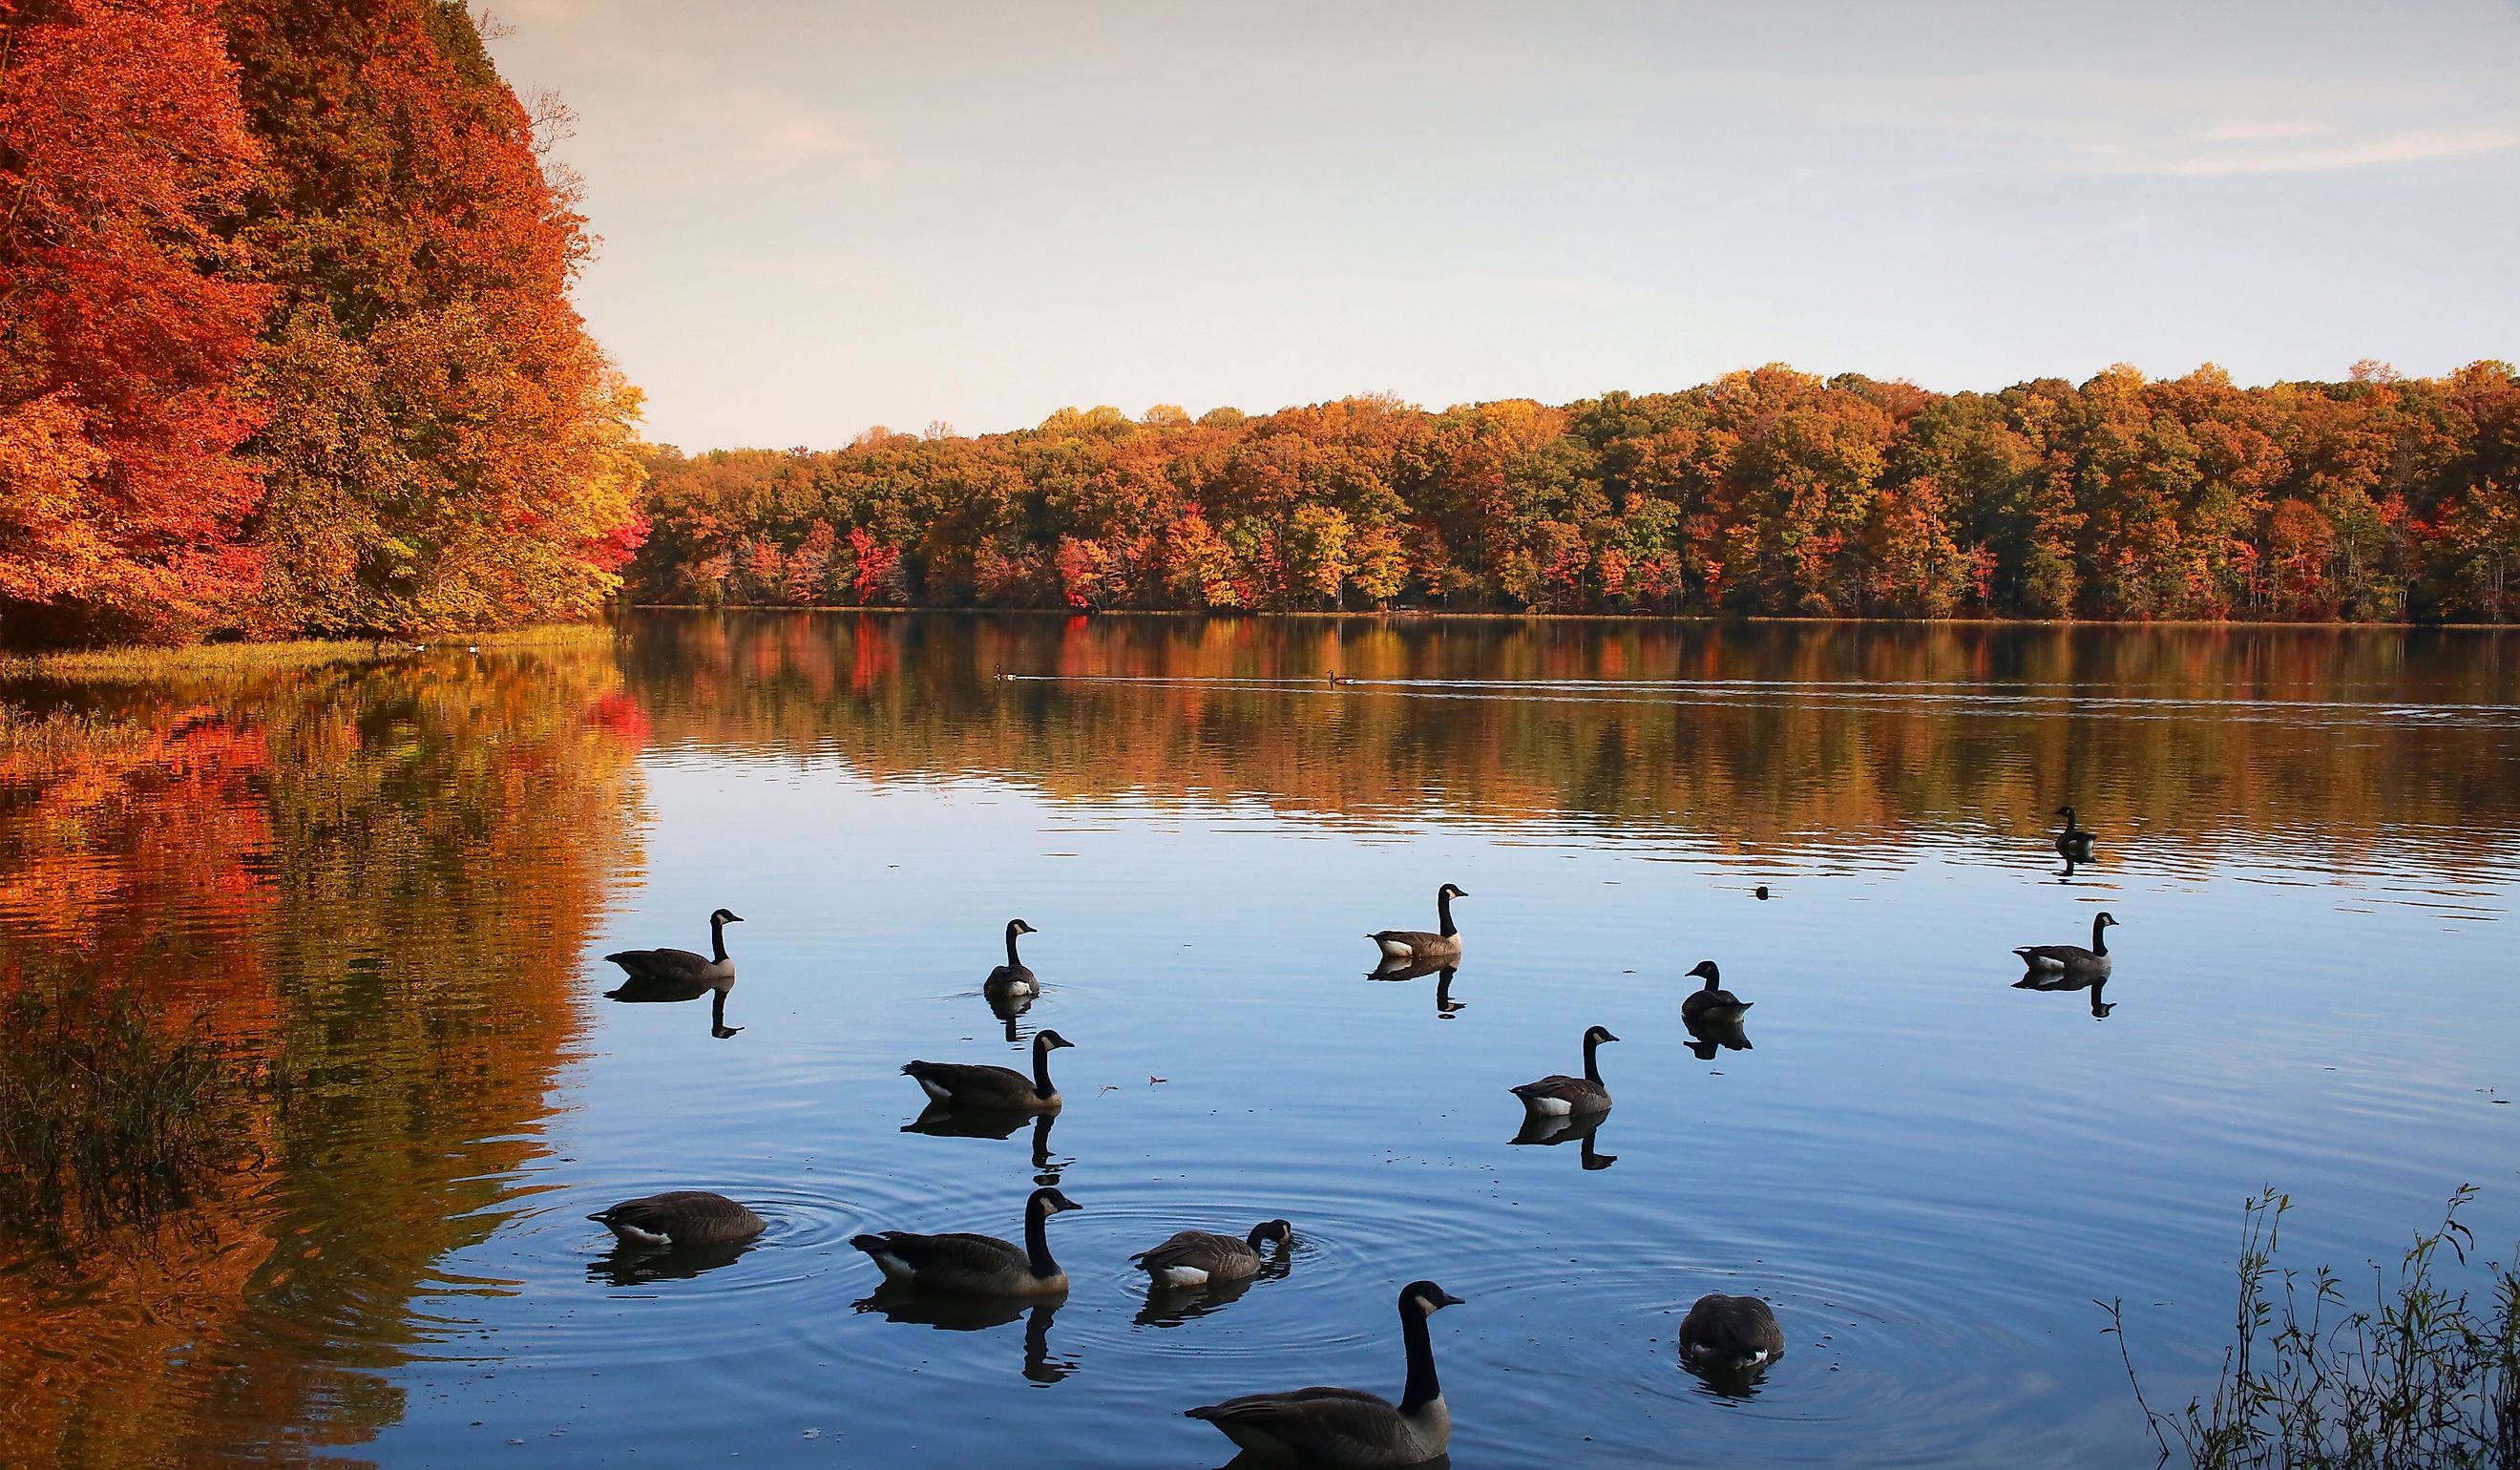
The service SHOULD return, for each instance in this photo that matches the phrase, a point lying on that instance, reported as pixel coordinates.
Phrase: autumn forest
(288, 349)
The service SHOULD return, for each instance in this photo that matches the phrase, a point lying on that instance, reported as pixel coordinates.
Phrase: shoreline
(1708, 619)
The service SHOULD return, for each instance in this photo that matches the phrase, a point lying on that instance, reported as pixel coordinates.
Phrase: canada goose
(1557, 1096)
(1197, 1258)
(681, 976)
(1417, 944)
(2071, 959)
(1730, 1332)
(1711, 1002)
(981, 1086)
(680, 1218)
(2073, 844)
(1762, 892)
(1347, 1427)
(1013, 980)
(975, 1265)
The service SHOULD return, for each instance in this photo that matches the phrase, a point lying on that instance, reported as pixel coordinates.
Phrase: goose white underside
(936, 1089)
(894, 1268)
(1550, 1107)
(1180, 1276)
(2043, 961)
(1397, 949)
(637, 1236)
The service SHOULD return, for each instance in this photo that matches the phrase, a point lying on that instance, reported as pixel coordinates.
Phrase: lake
(387, 885)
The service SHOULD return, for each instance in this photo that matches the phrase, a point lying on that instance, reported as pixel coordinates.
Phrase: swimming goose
(1417, 944)
(1558, 1096)
(1197, 1258)
(974, 1084)
(1343, 1428)
(2071, 959)
(975, 1265)
(681, 976)
(2073, 844)
(1711, 1002)
(1013, 980)
(680, 1218)
(1730, 1332)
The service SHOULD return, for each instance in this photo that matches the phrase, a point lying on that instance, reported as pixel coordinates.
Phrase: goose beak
(1450, 1300)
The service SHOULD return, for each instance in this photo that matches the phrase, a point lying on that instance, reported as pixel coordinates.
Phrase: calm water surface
(390, 884)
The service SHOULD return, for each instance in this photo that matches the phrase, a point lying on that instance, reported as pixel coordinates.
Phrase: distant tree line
(284, 336)
(1768, 491)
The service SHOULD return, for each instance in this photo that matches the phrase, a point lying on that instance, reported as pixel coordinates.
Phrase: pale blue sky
(817, 217)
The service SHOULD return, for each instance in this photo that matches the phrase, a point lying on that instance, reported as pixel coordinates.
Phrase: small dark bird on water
(1762, 892)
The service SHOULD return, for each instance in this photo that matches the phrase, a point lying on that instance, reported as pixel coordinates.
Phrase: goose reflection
(897, 1303)
(628, 1265)
(943, 1120)
(662, 990)
(2052, 981)
(1401, 967)
(1009, 1006)
(1708, 1036)
(1580, 1129)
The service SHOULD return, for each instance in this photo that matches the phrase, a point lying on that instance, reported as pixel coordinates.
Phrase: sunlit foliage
(1766, 491)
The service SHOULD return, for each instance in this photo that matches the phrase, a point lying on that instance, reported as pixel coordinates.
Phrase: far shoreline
(1704, 619)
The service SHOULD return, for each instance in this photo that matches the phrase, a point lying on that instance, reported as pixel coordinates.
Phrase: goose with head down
(680, 1218)
(1202, 1258)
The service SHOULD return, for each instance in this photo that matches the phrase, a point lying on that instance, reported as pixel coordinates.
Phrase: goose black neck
(2099, 934)
(1012, 962)
(1592, 1063)
(1037, 1239)
(1041, 1065)
(1422, 1388)
(1444, 912)
(717, 939)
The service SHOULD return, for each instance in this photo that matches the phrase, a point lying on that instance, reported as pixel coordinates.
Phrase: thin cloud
(2419, 146)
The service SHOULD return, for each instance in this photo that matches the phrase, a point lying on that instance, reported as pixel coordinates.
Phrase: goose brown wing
(1416, 939)
(1328, 1426)
(953, 1253)
(1201, 1250)
(1732, 1327)
(1562, 1088)
(688, 1217)
(661, 964)
(2061, 954)
(972, 1084)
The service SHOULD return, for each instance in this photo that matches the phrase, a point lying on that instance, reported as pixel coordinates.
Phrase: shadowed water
(388, 885)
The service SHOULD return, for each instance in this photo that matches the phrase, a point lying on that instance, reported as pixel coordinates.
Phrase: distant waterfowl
(1202, 1258)
(979, 1086)
(2073, 844)
(1711, 1002)
(1762, 892)
(1013, 980)
(1345, 1427)
(681, 976)
(2071, 959)
(965, 1265)
(1417, 944)
(680, 1218)
(1561, 1095)
(1730, 1332)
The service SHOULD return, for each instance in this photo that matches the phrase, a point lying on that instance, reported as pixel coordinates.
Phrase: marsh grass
(142, 664)
(2423, 1377)
(107, 1116)
(44, 744)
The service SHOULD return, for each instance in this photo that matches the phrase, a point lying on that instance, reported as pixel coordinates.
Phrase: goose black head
(1427, 1296)
(2066, 812)
(1450, 890)
(1051, 1202)
(725, 916)
(1052, 1039)
(1018, 926)
(1595, 1035)
(2105, 919)
(1707, 973)
(1279, 1231)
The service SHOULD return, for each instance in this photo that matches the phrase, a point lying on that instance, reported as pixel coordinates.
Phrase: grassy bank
(2424, 1376)
(143, 662)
